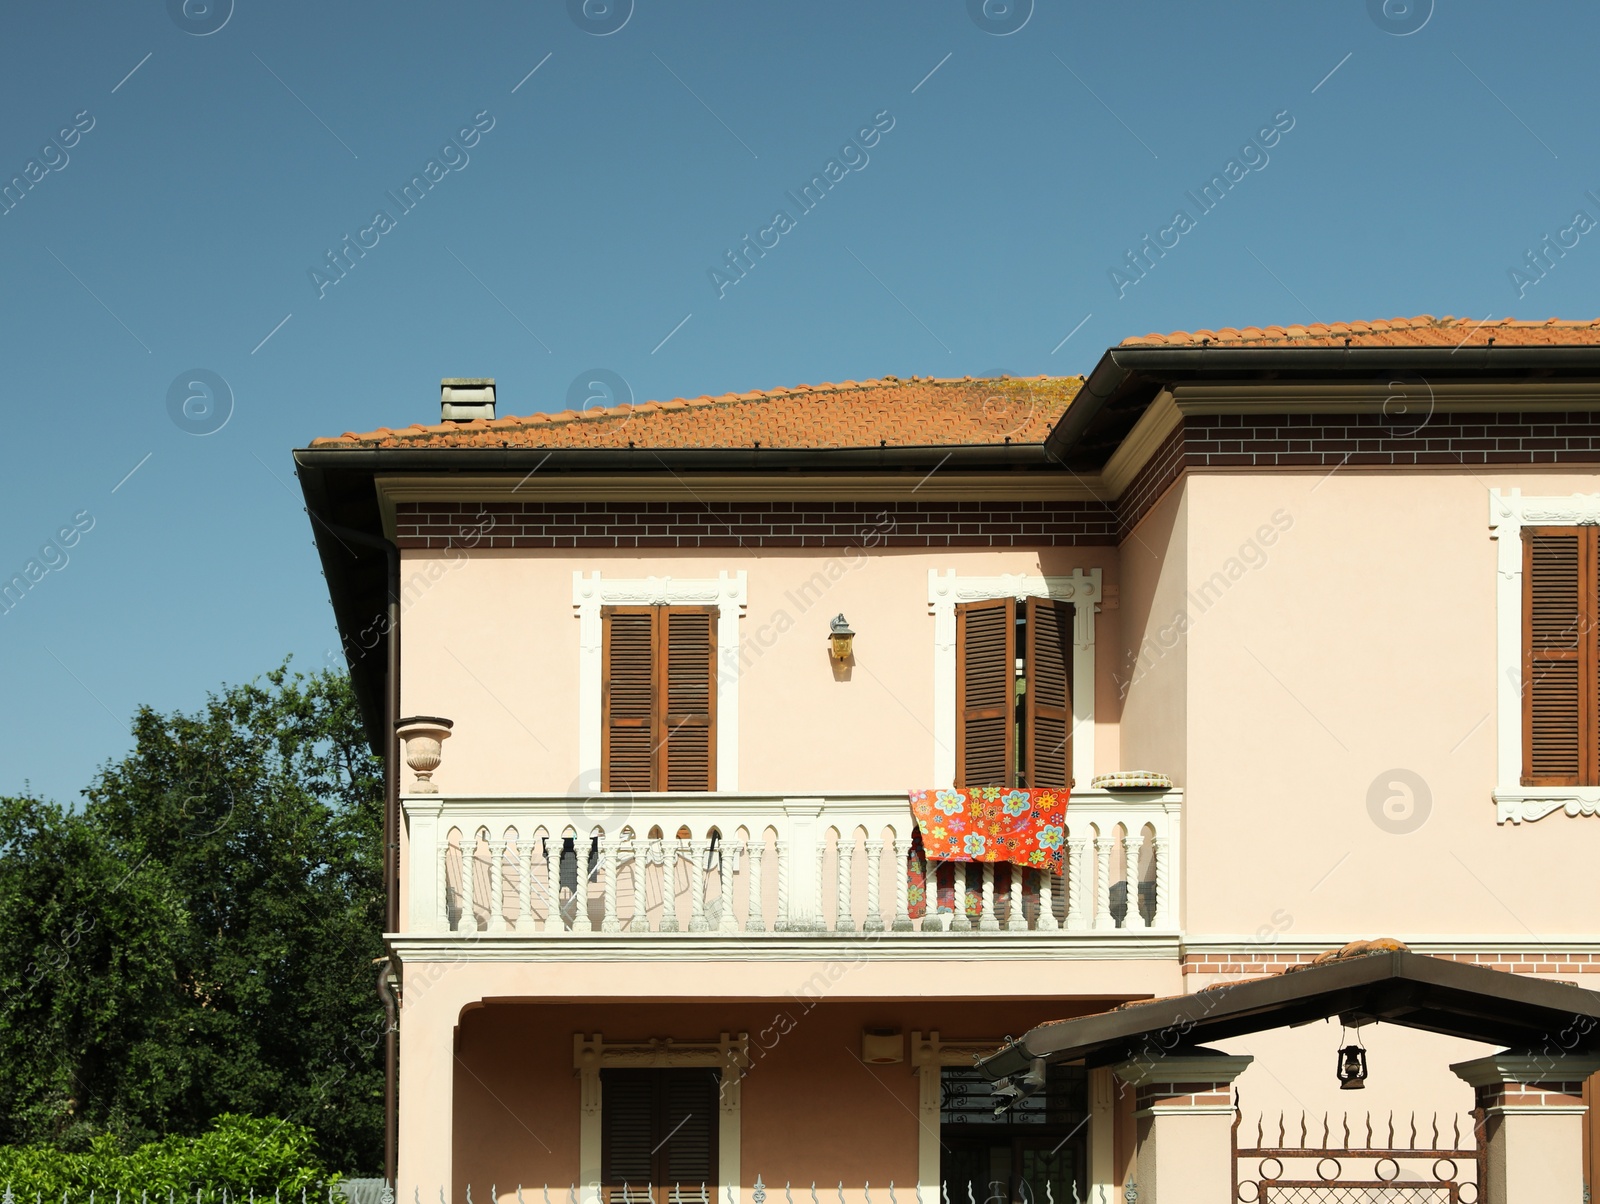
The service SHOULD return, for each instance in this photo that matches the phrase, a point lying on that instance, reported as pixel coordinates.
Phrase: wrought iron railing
(1439, 1160)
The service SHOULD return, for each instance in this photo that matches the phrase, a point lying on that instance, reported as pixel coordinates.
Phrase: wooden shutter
(629, 738)
(1047, 710)
(658, 1135)
(986, 650)
(659, 697)
(627, 1135)
(1559, 586)
(689, 1135)
(688, 699)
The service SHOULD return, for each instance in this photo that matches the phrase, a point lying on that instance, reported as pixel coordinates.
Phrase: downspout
(391, 835)
(391, 1029)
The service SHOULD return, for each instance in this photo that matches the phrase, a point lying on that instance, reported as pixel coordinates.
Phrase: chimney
(463, 398)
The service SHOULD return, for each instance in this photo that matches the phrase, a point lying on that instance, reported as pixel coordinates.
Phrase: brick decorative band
(1324, 440)
(1530, 1095)
(1198, 442)
(1360, 441)
(1257, 963)
(1183, 1095)
(754, 524)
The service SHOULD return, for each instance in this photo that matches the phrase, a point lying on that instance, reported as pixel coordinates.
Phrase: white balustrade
(494, 866)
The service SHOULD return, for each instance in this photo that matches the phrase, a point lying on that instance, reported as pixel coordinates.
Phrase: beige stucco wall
(1275, 642)
(1351, 632)
(811, 1110)
(1149, 668)
(1360, 641)
(490, 640)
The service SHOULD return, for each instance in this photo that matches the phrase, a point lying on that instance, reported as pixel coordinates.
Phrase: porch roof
(1396, 987)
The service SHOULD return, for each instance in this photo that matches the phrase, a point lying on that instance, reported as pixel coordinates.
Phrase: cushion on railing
(1132, 779)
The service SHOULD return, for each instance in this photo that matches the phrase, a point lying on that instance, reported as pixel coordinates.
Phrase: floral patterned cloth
(993, 823)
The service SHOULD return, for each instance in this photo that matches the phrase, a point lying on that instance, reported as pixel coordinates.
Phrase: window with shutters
(658, 1135)
(1561, 656)
(1014, 693)
(659, 698)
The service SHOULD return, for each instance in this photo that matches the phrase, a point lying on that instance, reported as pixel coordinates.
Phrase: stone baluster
(469, 883)
(726, 921)
(666, 853)
(525, 883)
(843, 920)
(608, 867)
(756, 850)
(582, 876)
(1016, 918)
(1165, 914)
(874, 917)
(1102, 882)
(1077, 872)
(988, 921)
(497, 886)
(931, 921)
(902, 870)
(698, 851)
(819, 922)
(554, 922)
(780, 922)
(960, 921)
(1046, 921)
(1131, 847)
(444, 885)
(638, 856)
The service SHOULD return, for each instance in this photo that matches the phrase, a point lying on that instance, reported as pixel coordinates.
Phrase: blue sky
(207, 170)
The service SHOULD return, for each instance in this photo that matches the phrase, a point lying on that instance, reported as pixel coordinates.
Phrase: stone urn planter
(424, 735)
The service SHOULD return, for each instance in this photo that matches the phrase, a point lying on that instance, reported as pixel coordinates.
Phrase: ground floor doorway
(1036, 1152)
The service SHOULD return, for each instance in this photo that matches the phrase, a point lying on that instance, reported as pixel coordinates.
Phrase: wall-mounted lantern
(1352, 1068)
(841, 635)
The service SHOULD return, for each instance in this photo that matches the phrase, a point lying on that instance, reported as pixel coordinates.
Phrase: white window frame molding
(728, 592)
(1082, 588)
(1509, 512)
(730, 1053)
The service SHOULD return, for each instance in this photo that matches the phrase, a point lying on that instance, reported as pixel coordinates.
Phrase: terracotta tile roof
(919, 412)
(1425, 331)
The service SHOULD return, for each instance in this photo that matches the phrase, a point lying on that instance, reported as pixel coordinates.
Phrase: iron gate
(1359, 1162)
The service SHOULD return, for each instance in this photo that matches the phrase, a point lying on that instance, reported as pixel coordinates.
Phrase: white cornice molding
(1520, 1068)
(1183, 1068)
(732, 487)
(1384, 396)
(1509, 512)
(523, 948)
(728, 592)
(1134, 452)
(1083, 588)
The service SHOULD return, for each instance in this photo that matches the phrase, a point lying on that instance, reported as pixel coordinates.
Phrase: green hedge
(238, 1153)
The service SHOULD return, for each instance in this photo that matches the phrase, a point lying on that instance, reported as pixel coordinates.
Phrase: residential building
(1302, 620)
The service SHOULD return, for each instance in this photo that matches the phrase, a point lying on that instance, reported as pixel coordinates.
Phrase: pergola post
(1184, 1116)
(1533, 1112)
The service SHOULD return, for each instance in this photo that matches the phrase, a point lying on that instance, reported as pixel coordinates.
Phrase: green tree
(224, 881)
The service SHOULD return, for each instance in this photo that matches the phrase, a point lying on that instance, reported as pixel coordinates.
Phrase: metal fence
(377, 1191)
(1436, 1160)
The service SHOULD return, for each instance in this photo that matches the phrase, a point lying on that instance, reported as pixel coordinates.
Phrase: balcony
(645, 871)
